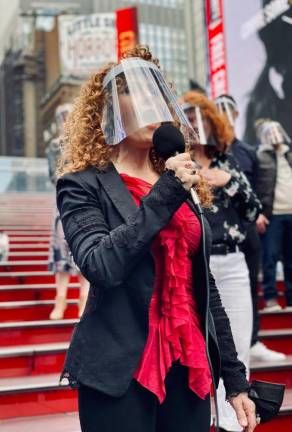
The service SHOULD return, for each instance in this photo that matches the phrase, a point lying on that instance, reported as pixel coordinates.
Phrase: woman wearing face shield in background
(234, 201)
(246, 158)
(274, 187)
(138, 355)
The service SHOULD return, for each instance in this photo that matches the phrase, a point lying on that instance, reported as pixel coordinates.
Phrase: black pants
(277, 242)
(252, 252)
(139, 409)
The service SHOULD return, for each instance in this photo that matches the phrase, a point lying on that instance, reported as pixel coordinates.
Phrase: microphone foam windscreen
(168, 140)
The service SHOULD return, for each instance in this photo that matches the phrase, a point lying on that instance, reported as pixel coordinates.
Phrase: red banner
(127, 29)
(216, 47)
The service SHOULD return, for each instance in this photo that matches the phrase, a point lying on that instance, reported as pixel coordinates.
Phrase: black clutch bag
(268, 398)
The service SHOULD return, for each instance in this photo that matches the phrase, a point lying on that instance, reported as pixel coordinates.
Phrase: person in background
(234, 201)
(274, 186)
(4, 246)
(246, 158)
(60, 260)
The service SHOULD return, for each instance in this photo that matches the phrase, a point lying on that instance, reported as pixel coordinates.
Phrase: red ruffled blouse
(174, 324)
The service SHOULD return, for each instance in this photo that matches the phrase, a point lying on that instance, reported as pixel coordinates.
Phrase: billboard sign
(86, 42)
(259, 61)
(127, 29)
(216, 47)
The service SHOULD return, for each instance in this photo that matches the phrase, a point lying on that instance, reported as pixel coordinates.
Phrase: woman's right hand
(184, 169)
(262, 223)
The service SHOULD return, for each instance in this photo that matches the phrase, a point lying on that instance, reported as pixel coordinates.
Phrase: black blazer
(110, 239)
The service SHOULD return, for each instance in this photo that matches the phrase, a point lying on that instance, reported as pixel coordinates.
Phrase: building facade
(175, 32)
(31, 81)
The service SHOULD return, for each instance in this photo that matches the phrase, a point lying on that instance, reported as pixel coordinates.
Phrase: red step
(30, 360)
(23, 266)
(278, 372)
(36, 332)
(29, 233)
(34, 310)
(276, 320)
(278, 340)
(40, 247)
(31, 278)
(27, 256)
(28, 240)
(35, 292)
(36, 395)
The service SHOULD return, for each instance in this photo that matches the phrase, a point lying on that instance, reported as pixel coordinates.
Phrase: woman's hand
(245, 411)
(215, 177)
(184, 168)
(262, 223)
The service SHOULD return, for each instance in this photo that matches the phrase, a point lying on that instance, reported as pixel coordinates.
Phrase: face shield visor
(61, 115)
(226, 107)
(199, 123)
(136, 96)
(271, 133)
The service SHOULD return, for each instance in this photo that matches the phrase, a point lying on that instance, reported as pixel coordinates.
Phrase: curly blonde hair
(220, 127)
(83, 143)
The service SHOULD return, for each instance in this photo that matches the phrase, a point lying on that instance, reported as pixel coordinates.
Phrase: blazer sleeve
(233, 371)
(106, 257)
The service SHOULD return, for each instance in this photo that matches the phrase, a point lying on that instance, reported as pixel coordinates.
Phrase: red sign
(127, 29)
(216, 47)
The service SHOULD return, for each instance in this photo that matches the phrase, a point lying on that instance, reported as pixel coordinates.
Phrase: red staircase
(32, 348)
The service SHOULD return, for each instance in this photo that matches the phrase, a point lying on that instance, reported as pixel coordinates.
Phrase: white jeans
(232, 279)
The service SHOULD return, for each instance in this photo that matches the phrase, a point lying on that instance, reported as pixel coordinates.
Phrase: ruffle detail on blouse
(174, 325)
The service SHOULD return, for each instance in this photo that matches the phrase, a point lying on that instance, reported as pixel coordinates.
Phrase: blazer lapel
(117, 191)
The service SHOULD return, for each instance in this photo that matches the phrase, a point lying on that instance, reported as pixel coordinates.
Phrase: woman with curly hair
(234, 203)
(140, 354)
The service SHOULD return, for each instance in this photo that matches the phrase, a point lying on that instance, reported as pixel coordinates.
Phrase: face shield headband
(272, 133)
(226, 106)
(137, 95)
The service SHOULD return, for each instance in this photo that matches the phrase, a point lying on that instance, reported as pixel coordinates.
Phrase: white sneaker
(272, 306)
(259, 351)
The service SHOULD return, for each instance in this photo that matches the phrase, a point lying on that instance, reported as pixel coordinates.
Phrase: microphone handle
(196, 200)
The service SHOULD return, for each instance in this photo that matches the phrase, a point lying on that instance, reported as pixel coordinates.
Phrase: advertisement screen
(258, 41)
(216, 47)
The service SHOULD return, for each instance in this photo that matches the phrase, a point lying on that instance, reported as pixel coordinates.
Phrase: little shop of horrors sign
(86, 42)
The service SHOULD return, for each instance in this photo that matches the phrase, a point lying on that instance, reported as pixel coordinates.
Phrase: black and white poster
(259, 61)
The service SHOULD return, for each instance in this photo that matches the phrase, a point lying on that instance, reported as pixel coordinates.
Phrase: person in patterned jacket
(234, 202)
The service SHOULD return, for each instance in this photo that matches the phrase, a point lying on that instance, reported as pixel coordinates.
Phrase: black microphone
(169, 141)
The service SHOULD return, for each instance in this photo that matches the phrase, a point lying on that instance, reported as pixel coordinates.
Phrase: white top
(283, 190)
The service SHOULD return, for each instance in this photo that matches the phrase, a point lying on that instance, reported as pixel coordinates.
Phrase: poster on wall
(259, 61)
(86, 42)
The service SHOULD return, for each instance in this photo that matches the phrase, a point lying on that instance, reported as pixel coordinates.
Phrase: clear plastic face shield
(226, 106)
(271, 133)
(194, 114)
(136, 96)
(61, 114)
